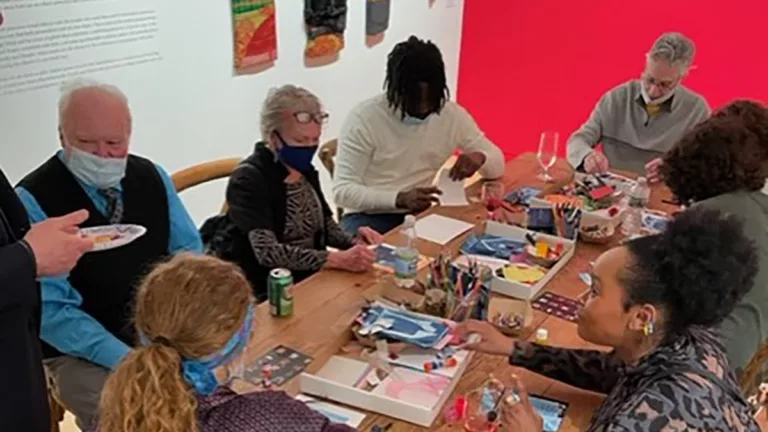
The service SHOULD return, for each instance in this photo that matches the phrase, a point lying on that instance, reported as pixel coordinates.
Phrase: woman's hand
(368, 236)
(357, 259)
(517, 413)
(491, 340)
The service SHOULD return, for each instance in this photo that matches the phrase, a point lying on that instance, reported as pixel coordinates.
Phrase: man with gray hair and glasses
(640, 120)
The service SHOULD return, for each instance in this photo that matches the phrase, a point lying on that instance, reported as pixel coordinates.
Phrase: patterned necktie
(114, 205)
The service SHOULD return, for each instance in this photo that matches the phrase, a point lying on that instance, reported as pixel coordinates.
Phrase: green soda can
(279, 289)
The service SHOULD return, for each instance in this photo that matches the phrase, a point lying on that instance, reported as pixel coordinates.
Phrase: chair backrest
(754, 372)
(203, 173)
(327, 153)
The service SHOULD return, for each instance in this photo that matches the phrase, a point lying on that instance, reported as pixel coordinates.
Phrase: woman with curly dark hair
(654, 301)
(721, 165)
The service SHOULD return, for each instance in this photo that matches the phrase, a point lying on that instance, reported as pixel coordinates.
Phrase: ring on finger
(512, 399)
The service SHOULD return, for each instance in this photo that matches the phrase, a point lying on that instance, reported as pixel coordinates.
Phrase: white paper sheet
(454, 194)
(440, 229)
(335, 413)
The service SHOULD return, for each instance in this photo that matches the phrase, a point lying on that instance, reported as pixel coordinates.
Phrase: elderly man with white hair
(86, 327)
(640, 120)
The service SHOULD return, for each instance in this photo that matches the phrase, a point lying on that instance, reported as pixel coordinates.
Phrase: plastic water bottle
(639, 195)
(406, 255)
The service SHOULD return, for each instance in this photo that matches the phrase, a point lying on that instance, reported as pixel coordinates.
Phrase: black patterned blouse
(304, 218)
(684, 385)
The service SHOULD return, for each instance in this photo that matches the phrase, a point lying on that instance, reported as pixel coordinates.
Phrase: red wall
(529, 66)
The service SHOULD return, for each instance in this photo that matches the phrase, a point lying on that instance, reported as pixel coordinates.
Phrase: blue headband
(198, 373)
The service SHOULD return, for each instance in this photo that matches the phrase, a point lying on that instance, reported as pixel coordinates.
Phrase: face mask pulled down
(102, 173)
(658, 101)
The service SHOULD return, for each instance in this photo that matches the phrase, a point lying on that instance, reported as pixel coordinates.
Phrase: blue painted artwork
(492, 246)
(552, 412)
(425, 332)
(385, 256)
(522, 196)
(541, 219)
(654, 222)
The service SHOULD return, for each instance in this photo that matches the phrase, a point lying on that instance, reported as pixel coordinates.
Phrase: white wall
(190, 108)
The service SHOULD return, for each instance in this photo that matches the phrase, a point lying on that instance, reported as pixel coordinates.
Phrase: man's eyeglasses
(304, 117)
(662, 84)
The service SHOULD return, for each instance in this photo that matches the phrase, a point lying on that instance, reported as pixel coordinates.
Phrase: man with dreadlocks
(391, 146)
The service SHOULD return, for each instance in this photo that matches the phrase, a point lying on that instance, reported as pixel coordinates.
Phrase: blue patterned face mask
(198, 373)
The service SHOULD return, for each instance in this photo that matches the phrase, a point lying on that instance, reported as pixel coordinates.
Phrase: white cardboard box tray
(331, 382)
(518, 290)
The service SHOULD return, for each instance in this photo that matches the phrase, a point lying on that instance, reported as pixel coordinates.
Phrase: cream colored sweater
(380, 155)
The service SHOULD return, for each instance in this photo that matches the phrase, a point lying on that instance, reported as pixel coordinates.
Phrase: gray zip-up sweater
(630, 137)
(745, 329)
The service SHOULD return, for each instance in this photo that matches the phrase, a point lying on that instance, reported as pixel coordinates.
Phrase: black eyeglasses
(304, 117)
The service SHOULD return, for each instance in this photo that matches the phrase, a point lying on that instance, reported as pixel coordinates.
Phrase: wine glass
(547, 154)
(492, 194)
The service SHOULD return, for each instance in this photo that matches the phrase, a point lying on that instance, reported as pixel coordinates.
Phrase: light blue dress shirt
(68, 328)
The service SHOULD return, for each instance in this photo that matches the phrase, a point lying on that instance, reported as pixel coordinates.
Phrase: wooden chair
(327, 153)
(753, 375)
(57, 412)
(203, 173)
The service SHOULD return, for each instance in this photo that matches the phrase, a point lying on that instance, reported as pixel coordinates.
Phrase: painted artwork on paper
(413, 387)
(419, 330)
(255, 34)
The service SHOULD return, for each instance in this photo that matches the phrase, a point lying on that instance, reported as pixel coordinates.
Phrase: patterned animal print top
(684, 385)
(304, 219)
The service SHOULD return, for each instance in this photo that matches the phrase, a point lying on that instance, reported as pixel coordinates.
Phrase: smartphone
(551, 411)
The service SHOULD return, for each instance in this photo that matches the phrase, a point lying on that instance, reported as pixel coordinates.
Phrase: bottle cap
(410, 219)
(542, 334)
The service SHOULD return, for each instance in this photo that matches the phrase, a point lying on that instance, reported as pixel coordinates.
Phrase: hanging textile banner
(326, 21)
(255, 33)
(376, 17)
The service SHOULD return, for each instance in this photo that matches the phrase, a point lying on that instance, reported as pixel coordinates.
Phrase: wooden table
(327, 303)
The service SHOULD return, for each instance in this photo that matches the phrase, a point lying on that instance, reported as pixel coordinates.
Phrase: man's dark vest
(107, 280)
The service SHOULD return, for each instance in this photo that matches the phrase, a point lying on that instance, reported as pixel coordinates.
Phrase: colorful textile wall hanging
(326, 21)
(255, 33)
(376, 16)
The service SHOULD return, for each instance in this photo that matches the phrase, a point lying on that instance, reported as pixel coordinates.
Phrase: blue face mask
(297, 157)
(102, 173)
(414, 121)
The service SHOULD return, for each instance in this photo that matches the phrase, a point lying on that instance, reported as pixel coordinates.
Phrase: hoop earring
(648, 328)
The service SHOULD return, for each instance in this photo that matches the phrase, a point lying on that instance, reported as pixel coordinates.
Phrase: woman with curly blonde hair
(194, 315)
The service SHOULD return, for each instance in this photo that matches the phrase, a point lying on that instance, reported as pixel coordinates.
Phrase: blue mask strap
(198, 373)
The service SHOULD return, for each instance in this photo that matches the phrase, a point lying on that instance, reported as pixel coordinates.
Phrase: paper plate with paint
(112, 236)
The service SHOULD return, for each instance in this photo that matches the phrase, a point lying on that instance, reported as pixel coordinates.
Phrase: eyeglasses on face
(662, 84)
(305, 117)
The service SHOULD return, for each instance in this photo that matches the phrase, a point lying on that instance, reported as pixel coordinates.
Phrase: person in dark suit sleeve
(27, 252)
